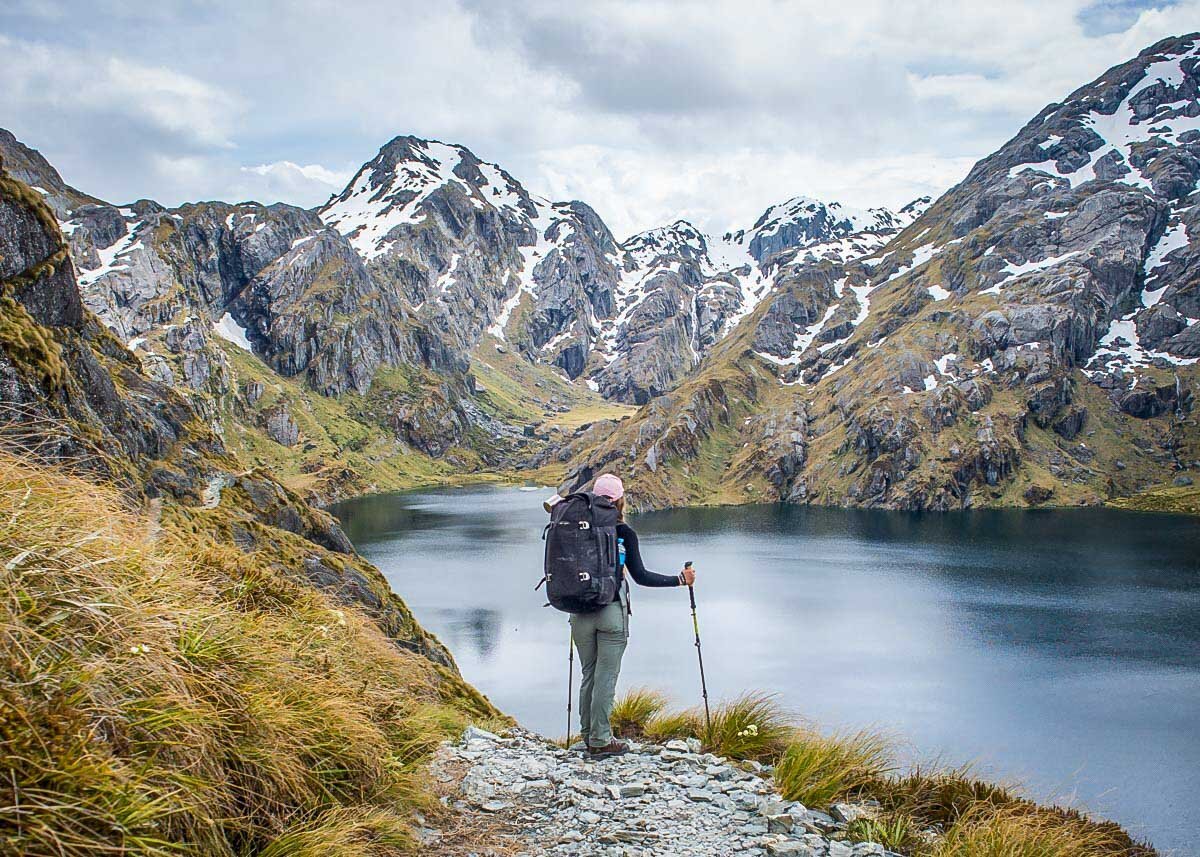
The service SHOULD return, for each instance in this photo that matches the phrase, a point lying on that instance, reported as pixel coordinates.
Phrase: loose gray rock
(655, 801)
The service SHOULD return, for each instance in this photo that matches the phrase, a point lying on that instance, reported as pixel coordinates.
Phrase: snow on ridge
(498, 189)
(780, 215)
(366, 214)
(842, 220)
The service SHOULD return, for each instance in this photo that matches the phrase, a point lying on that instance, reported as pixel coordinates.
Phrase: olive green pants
(600, 639)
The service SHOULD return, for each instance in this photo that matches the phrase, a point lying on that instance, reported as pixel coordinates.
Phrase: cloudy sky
(647, 110)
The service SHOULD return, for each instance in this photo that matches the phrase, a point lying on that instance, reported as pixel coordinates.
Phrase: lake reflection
(1059, 648)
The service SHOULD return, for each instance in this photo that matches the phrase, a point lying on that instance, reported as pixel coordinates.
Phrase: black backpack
(581, 573)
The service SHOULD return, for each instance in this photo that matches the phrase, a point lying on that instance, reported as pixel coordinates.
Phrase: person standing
(601, 636)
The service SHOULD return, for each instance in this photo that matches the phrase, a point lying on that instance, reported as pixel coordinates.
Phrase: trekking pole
(570, 682)
(699, 657)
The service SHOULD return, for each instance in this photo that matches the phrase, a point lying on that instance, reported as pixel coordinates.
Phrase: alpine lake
(1054, 649)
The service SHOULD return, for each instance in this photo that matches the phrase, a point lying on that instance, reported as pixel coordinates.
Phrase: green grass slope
(164, 692)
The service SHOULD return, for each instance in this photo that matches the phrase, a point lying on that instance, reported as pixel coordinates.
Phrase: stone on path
(655, 801)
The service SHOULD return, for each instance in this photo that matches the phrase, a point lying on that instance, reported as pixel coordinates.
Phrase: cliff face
(1028, 338)
(71, 393)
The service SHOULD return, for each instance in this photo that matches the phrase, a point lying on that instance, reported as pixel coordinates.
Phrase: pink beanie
(609, 486)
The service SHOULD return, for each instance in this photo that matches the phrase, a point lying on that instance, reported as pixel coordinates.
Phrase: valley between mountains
(1028, 338)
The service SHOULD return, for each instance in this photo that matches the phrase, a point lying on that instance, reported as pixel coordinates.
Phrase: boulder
(281, 428)
(1036, 495)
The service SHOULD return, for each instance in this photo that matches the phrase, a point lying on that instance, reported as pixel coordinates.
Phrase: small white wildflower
(340, 615)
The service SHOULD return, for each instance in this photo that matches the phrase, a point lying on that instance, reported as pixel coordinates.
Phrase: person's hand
(688, 576)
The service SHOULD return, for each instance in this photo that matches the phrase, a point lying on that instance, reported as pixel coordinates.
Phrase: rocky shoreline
(659, 800)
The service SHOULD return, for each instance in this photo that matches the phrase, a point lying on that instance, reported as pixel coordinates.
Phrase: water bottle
(620, 553)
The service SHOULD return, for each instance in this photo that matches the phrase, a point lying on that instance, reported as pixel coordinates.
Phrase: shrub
(753, 726)
(896, 831)
(941, 796)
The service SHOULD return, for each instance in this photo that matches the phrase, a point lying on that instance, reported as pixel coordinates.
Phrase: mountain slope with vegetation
(166, 692)
(1028, 339)
(195, 660)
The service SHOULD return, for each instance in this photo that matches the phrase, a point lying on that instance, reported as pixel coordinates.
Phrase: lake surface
(1058, 649)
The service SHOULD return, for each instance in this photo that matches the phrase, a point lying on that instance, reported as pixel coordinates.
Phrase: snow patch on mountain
(1121, 348)
(231, 331)
(1174, 238)
(548, 216)
(1015, 271)
(371, 207)
(110, 257)
(1121, 131)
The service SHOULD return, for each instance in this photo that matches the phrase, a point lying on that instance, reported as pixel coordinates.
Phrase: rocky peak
(803, 221)
(676, 240)
(396, 190)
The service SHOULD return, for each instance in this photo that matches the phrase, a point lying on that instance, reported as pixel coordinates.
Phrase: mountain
(682, 291)
(434, 301)
(73, 394)
(1029, 337)
(473, 255)
(269, 322)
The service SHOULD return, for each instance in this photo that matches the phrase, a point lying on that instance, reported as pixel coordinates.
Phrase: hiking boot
(612, 748)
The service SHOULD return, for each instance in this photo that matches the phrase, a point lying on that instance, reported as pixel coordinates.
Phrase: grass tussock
(986, 832)
(818, 770)
(163, 694)
(634, 709)
(924, 812)
(669, 725)
(753, 726)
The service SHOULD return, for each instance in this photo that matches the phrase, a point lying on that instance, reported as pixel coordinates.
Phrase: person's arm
(637, 569)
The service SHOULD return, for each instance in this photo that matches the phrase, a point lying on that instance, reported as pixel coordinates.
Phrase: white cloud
(647, 110)
(634, 190)
(307, 185)
(41, 76)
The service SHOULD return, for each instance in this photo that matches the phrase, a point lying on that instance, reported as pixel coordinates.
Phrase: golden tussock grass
(166, 693)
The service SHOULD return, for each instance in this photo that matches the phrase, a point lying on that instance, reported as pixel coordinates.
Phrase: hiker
(600, 636)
